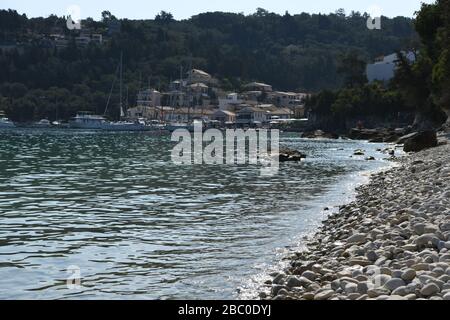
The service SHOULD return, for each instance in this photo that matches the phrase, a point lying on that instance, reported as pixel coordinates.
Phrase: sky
(183, 9)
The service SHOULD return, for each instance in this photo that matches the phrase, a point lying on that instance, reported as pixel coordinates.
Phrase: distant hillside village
(198, 97)
(257, 77)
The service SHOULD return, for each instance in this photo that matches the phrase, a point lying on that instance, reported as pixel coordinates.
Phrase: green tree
(353, 68)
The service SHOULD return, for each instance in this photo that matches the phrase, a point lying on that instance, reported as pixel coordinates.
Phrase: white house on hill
(384, 68)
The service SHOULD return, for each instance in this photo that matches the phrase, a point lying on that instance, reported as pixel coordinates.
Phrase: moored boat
(5, 122)
(88, 120)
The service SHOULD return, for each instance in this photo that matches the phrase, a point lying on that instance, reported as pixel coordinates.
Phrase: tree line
(421, 88)
(291, 52)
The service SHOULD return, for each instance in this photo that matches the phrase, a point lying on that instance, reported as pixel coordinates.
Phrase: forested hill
(291, 51)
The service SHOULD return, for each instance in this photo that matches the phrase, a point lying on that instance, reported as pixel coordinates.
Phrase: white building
(287, 99)
(224, 116)
(230, 101)
(251, 116)
(384, 68)
(258, 86)
(198, 76)
(149, 98)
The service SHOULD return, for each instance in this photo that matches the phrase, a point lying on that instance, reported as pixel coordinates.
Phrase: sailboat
(120, 125)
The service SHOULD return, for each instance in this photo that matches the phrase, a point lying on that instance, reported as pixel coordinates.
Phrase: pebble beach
(391, 243)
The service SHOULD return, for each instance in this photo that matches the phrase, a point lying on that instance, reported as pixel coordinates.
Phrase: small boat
(88, 121)
(6, 123)
(44, 123)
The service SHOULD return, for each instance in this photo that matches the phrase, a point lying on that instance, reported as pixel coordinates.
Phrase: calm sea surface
(138, 226)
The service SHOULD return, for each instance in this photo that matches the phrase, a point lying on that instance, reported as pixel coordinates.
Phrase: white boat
(44, 123)
(126, 126)
(6, 123)
(88, 121)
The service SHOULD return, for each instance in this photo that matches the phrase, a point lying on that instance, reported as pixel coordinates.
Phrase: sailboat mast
(121, 75)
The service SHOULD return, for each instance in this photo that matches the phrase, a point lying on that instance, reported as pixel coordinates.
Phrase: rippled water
(139, 226)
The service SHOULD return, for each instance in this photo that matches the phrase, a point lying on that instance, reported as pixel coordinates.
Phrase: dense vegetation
(291, 52)
(422, 87)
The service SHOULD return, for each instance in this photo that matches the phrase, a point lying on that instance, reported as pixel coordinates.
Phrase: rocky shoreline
(391, 243)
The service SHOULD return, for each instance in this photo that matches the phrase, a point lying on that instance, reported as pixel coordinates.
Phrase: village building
(141, 112)
(149, 98)
(230, 101)
(188, 114)
(384, 67)
(286, 99)
(281, 114)
(251, 116)
(224, 116)
(258, 86)
(198, 76)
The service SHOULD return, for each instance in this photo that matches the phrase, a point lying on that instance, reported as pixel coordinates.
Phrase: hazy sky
(181, 9)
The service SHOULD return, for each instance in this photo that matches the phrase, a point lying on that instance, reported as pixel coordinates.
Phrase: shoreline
(391, 243)
(342, 191)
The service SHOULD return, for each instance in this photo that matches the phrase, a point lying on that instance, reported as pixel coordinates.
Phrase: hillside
(291, 52)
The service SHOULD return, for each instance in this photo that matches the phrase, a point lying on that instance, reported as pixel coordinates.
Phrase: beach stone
(445, 226)
(401, 291)
(445, 258)
(310, 275)
(358, 238)
(447, 296)
(303, 282)
(336, 284)
(424, 240)
(351, 288)
(324, 295)
(308, 296)
(397, 274)
(430, 229)
(279, 279)
(411, 296)
(408, 275)
(293, 282)
(396, 298)
(430, 289)
(381, 279)
(421, 267)
(374, 293)
(359, 262)
(394, 283)
(275, 289)
(419, 228)
(313, 287)
(372, 256)
(437, 282)
(362, 287)
(353, 296)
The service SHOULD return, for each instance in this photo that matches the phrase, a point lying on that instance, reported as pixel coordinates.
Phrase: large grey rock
(409, 275)
(394, 283)
(294, 282)
(420, 141)
(430, 289)
(357, 238)
(310, 275)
